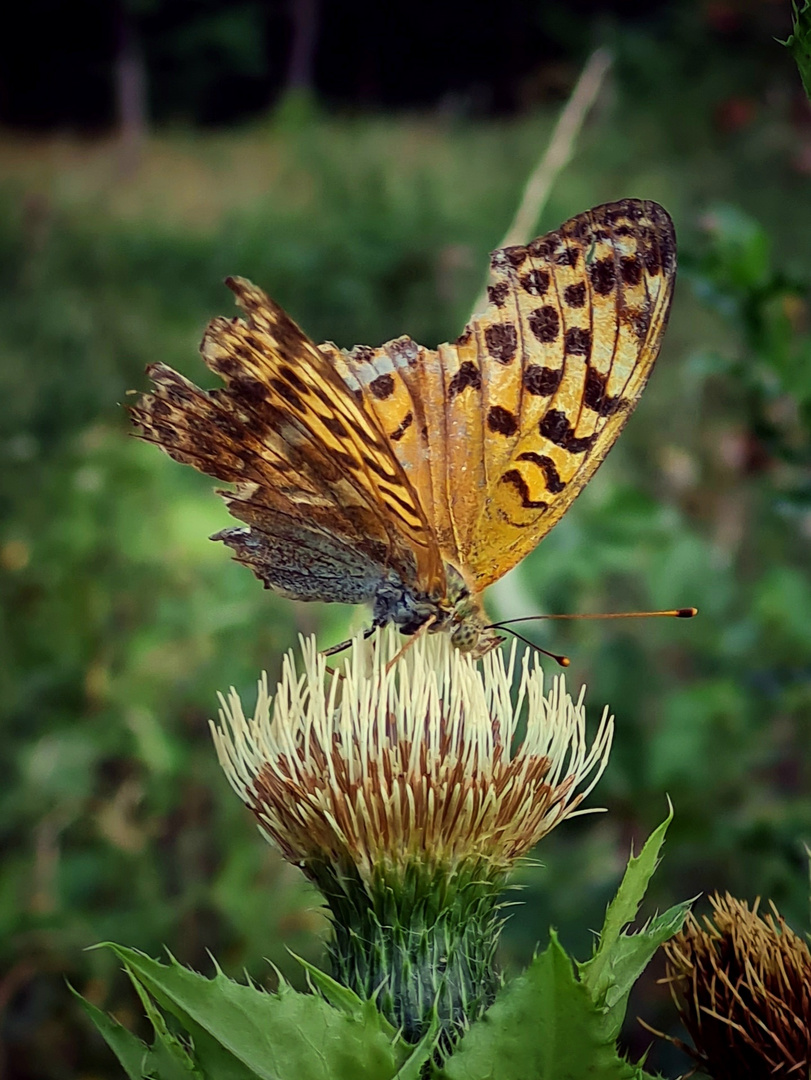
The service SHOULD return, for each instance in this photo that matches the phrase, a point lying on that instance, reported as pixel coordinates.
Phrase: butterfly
(412, 478)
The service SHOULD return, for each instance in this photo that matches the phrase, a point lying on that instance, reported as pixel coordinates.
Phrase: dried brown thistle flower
(742, 984)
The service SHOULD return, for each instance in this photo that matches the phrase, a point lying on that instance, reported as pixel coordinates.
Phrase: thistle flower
(405, 787)
(742, 984)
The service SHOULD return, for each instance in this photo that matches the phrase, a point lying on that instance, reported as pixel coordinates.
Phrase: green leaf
(169, 1058)
(242, 1031)
(798, 43)
(129, 1050)
(340, 996)
(628, 959)
(414, 1067)
(139, 1061)
(623, 908)
(348, 1002)
(621, 958)
(542, 1026)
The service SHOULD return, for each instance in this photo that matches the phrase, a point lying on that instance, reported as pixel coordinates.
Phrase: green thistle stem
(419, 937)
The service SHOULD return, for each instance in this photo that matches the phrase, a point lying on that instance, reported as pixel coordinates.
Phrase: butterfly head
(467, 622)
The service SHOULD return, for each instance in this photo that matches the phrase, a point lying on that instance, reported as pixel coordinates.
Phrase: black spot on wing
(501, 421)
(382, 387)
(555, 426)
(631, 270)
(575, 295)
(402, 428)
(595, 397)
(603, 276)
(502, 342)
(577, 342)
(545, 246)
(467, 375)
(497, 293)
(516, 256)
(544, 323)
(554, 484)
(536, 282)
(514, 478)
(542, 381)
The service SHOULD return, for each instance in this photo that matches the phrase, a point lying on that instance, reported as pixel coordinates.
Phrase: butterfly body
(412, 478)
(305, 568)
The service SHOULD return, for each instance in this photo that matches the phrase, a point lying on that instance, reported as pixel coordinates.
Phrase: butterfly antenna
(564, 661)
(674, 613)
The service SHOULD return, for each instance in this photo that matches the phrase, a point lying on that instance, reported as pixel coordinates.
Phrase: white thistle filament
(424, 757)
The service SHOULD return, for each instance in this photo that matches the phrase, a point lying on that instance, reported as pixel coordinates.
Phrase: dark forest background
(209, 62)
(359, 161)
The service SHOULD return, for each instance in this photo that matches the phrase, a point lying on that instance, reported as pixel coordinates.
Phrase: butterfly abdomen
(303, 563)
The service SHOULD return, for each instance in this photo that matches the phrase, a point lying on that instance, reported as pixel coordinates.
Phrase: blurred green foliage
(121, 621)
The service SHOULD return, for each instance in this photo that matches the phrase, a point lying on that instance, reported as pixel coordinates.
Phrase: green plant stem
(422, 938)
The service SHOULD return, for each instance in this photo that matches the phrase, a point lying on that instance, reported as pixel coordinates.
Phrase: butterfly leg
(422, 629)
(334, 649)
(418, 633)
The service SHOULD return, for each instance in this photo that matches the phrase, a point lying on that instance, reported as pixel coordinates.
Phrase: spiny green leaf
(542, 1026)
(414, 1068)
(139, 1061)
(241, 1031)
(621, 958)
(163, 1064)
(129, 1050)
(340, 996)
(623, 908)
(628, 958)
(171, 1056)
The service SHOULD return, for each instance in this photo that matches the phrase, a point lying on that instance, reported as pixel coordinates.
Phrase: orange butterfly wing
(312, 469)
(500, 430)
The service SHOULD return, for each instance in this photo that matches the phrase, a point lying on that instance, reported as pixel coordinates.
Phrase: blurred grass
(121, 620)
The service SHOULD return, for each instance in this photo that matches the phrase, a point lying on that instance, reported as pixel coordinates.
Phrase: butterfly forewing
(589, 343)
(538, 387)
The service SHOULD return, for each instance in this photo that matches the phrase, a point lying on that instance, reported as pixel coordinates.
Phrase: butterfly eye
(465, 636)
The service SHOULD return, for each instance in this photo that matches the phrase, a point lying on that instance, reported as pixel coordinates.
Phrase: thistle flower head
(405, 786)
(426, 758)
(742, 984)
